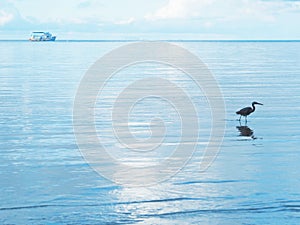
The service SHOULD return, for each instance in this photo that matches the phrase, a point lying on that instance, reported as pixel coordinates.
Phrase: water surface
(254, 179)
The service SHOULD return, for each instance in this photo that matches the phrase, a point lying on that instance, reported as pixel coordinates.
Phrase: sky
(152, 19)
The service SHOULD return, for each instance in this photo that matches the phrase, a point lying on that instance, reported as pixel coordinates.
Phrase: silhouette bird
(247, 111)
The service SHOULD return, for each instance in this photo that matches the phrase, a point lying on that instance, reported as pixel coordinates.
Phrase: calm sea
(254, 180)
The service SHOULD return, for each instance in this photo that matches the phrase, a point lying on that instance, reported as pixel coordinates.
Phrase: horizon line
(163, 40)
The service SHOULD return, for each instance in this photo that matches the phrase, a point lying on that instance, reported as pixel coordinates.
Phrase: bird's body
(247, 110)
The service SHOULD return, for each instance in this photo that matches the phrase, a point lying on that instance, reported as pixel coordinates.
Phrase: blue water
(254, 179)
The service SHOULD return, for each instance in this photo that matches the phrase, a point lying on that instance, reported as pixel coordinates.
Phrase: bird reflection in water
(245, 131)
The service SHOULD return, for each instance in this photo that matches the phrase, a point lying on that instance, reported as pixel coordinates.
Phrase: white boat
(42, 36)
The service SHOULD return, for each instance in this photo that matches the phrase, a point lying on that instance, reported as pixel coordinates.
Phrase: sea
(47, 177)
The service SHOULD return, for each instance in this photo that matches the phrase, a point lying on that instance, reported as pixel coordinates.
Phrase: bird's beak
(259, 103)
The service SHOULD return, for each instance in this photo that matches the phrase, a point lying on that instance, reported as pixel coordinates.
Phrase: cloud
(178, 9)
(84, 4)
(208, 14)
(219, 10)
(125, 22)
(5, 17)
(231, 18)
(245, 19)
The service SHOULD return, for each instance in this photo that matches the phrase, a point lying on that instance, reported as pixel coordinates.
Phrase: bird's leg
(240, 117)
(246, 119)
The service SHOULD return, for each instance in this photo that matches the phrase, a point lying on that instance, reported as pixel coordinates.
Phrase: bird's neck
(253, 107)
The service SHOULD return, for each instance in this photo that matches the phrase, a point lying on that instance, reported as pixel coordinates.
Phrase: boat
(41, 36)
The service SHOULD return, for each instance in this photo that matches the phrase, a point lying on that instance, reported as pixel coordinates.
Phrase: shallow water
(254, 179)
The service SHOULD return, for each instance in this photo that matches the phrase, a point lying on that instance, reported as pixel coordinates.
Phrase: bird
(247, 110)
